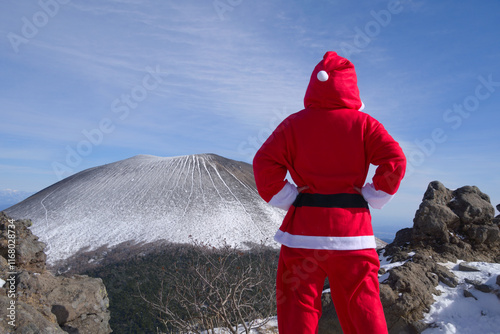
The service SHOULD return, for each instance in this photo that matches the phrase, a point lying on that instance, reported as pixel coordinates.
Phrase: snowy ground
(271, 327)
(452, 312)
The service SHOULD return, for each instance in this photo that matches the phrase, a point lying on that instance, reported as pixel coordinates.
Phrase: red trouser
(353, 277)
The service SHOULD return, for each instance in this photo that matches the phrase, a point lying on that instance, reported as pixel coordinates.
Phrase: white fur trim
(322, 76)
(285, 197)
(376, 198)
(362, 106)
(329, 243)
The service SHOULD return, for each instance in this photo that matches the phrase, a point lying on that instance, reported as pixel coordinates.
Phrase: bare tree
(211, 288)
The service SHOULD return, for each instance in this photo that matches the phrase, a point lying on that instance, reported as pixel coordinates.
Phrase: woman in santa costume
(327, 148)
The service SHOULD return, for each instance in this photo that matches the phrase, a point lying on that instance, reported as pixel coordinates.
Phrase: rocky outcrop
(33, 300)
(448, 226)
(457, 224)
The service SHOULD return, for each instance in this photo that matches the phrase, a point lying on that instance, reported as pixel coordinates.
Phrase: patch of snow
(271, 326)
(453, 313)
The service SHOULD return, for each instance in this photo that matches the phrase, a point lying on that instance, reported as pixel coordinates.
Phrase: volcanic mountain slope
(146, 198)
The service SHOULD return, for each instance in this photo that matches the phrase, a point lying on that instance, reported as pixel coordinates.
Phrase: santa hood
(333, 85)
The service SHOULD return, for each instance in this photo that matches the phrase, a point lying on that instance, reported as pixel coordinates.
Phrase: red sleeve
(383, 151)
(270, 164)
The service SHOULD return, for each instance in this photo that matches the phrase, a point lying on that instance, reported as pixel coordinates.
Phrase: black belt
(331, 201)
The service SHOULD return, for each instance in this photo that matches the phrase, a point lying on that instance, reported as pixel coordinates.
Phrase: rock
(484, 288)
(468, 294)
(472, 282)
(464, 266)
(77, 302)
(29, 251)
(480, 286)
(484, 234)
(400, 243)
(496, 220)
(438, 193)
(329, 321)
(84, 301)
(445, 276)
(28, 320)
(398, 255)
(498, 280)
(471, 205)
(454, 224)
(432, 221)
(393, 310)
(403, 236)
(47, 303)
(414, 292)
(448, 225)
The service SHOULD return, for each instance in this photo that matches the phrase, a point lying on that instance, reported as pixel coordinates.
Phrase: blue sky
(86, 83)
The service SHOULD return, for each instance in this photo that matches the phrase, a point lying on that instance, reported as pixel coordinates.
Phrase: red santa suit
(327, 232)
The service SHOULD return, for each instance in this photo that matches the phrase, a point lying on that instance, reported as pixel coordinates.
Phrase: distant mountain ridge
(9, 197)
(148, 198)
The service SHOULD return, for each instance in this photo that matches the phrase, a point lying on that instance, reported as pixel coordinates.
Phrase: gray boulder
(406, 295)
(28, 320)
(483, 234)
(77, 302)
(431, 223)
(28, 251)
(464, 266)
(456, 224)
(472, 205)
(434, 218)
(46, 303)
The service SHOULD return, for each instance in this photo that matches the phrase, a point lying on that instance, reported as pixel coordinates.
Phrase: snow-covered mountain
(147, 198)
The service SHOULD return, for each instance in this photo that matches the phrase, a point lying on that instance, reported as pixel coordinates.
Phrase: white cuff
(376, 198)
(285, 197)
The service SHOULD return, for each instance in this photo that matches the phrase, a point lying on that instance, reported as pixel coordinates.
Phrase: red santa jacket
(328, 146)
